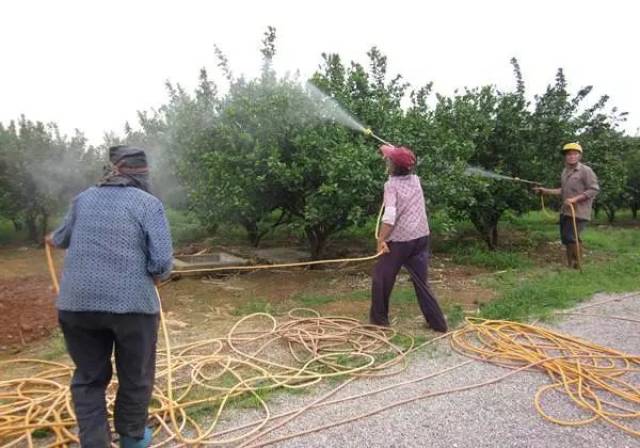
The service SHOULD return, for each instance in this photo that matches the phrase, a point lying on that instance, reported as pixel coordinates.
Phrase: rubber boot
(130, 442)
(569, 255)
(572, 256)
(579, 254)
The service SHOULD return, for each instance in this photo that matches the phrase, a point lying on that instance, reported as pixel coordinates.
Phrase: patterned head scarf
(128, 168)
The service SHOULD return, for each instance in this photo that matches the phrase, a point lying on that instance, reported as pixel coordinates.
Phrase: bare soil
(27, 310)
(199, 307)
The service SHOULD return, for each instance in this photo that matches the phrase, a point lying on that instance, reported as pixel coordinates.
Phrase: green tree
(608, 154)
(342, 173)
(41, 170)
(261, 155)
(254, 139)
(265, 157)
(480, 127)
(10, 207)
(633, 178)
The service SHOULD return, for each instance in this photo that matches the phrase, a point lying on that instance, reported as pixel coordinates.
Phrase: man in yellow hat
(578, 188)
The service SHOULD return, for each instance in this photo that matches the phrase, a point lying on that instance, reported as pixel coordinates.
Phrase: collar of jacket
(578, 167)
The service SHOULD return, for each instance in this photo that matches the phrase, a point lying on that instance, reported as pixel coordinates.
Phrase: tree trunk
(634, 211)
(490, 236)
(611, 214)
(44, 223)
(253, 234)
(487, 226)
(493, 245)
(211, 228)
(317, 241)
(17, 225)
(32, 228)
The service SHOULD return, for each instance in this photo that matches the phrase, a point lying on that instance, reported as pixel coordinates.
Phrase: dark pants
(567, 234)
(414, 256)
(90, 340)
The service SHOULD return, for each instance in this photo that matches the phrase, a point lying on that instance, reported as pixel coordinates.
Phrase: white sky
(92, 65)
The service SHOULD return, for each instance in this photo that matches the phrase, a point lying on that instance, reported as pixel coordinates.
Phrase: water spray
(530, 182)
(327, 107)
(473, 171)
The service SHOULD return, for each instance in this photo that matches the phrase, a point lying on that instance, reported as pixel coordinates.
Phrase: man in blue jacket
(118, 245)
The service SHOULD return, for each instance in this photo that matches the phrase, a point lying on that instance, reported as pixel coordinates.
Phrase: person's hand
(540, 190)
(48, 240)
(573, 200)
(383, 247)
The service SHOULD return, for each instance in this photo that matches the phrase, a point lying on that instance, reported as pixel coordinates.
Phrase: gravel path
(499, 415)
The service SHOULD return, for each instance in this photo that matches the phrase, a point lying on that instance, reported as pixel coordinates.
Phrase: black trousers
(567, 234)
(91, 338)
(414, 256)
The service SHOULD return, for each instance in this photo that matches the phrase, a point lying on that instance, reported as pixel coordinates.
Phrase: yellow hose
(52, 270)
(211, 373)
(576, 236)
(545, 212)
(591, 376)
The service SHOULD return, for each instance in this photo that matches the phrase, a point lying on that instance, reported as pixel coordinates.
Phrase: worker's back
(405, 193)
(118, 240)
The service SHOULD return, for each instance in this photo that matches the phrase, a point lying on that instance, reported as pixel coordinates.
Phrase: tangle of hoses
(210, 374)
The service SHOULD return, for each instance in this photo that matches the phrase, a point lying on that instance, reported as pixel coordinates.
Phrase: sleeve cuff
(59, 239)
(389, 216)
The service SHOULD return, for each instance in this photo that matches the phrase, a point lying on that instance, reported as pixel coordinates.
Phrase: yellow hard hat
(575, 146)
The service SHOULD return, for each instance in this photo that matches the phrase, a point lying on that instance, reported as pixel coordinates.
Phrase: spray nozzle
(369, 133)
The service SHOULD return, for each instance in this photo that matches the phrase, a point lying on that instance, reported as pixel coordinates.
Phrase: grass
(454, 313)
(546, 291)
(55, 347)
(7, 232)
(493, 260)
(256, 305)
(403, 295)
(314, 300)
(406, 296)
(250, 400)
(613, 240)
(199, 412)
(205, 410)
(185, 228)
(402, 341)
(614, 267)
(263, 390)
(41, 433)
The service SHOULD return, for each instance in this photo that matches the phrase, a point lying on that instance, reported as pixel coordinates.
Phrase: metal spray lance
(370, 133)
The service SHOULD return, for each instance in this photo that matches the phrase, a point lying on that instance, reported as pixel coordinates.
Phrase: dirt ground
(27, 310)
(27, 301)
(210, 305)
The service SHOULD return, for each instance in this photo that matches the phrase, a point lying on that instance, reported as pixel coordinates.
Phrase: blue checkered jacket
(118, 240)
